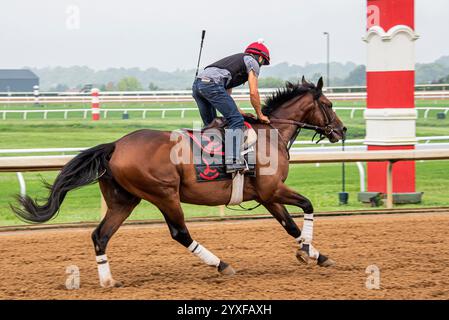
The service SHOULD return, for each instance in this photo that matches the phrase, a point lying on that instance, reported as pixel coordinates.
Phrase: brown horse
(140, 166)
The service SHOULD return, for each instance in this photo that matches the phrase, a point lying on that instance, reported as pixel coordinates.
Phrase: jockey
(212, 91)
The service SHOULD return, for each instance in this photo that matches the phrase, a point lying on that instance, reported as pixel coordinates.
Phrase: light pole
(327, 57)
(343, 195)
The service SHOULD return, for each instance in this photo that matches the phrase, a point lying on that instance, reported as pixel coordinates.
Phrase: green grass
(76, 129)
(320, 184)
(33, 133)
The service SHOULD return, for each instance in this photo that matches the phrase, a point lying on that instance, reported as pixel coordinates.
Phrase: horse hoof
(325, 262)
(225, 269)
(302, 256)
(112, 284)
(117, 284)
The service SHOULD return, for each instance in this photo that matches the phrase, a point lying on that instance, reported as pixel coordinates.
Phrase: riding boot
(233, 150)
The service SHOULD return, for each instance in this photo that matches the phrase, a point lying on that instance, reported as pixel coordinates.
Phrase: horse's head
(320, 112)
(305, 102)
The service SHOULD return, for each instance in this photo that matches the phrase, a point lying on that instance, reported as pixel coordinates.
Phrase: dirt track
(410, 250)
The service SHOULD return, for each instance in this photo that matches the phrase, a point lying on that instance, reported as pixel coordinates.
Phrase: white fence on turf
(162, 112)
(52, 163)
(432, 91)
(353, 145)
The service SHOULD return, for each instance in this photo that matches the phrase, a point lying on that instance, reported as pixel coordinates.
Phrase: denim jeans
(211, 97)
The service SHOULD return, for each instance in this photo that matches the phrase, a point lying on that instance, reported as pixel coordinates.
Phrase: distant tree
(314, 78)
(129, 84)
(110, 86)
(443, 80)
(430, 72)
(356, 77)
(152, 87)
(271, 82)
(59, 88)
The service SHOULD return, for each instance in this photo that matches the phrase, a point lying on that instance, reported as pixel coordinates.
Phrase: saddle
(208, 150)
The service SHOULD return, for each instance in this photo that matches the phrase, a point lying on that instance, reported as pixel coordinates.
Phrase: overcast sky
(166, 34)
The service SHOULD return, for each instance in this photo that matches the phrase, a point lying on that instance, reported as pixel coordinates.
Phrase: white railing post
(361, 176)
(390, 184)
(221, 211)
(22, 184)
(352, 113)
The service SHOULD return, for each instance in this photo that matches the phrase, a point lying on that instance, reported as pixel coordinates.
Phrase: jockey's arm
(255, 97)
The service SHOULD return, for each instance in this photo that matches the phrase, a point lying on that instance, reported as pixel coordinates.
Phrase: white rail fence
(319, 147)
(334, 93)
(52, 163)
(424, 143)
(422, 112)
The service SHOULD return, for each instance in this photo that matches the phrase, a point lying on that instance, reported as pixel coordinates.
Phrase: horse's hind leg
(120, 205)
(174, 216)
(304, 238)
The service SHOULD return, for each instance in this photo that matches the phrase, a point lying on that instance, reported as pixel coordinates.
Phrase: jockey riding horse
(212, 91)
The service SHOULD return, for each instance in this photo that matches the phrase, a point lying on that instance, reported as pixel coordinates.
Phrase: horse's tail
(86, 168)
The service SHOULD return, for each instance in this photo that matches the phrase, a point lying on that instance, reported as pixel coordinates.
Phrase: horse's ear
(320, 83)
(303, 81)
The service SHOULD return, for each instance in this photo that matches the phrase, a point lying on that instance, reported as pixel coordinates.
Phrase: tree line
(135, 79)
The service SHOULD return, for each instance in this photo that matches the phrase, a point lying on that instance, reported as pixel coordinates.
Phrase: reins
(324, 131)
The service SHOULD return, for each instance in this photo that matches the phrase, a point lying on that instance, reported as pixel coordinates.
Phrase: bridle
(322, 131)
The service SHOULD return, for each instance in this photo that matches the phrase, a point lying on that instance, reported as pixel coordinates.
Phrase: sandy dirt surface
(411, 252)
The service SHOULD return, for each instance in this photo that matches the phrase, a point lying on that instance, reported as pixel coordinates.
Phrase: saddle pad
(208, 149)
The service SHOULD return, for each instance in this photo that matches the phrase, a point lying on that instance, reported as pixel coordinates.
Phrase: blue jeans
(211, 97)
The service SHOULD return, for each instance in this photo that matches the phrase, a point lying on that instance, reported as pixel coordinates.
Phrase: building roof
(9, 74)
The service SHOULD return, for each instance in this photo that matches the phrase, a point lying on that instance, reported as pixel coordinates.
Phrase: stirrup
(250, 149)
(237, 167)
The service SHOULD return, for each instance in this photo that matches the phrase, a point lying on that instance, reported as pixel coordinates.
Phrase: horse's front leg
(306, 251)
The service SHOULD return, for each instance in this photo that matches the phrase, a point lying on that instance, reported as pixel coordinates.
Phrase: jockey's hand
(263, 118)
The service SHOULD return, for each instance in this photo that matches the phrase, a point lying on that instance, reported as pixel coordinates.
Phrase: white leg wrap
(201, 252)
(305, 240)
(104, 271)
(313, 253)
(307, 228)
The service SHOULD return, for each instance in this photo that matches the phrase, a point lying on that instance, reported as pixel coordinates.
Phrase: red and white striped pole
(390, 115)
(95, 104)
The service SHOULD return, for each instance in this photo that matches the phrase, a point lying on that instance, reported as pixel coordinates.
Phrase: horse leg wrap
(201, 252)
(305, 240)
(307, 228)
(104, 271)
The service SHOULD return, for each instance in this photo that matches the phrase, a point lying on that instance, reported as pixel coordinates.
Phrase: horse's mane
(282, 95)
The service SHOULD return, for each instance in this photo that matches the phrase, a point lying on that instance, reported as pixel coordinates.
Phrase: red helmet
(260, 49)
